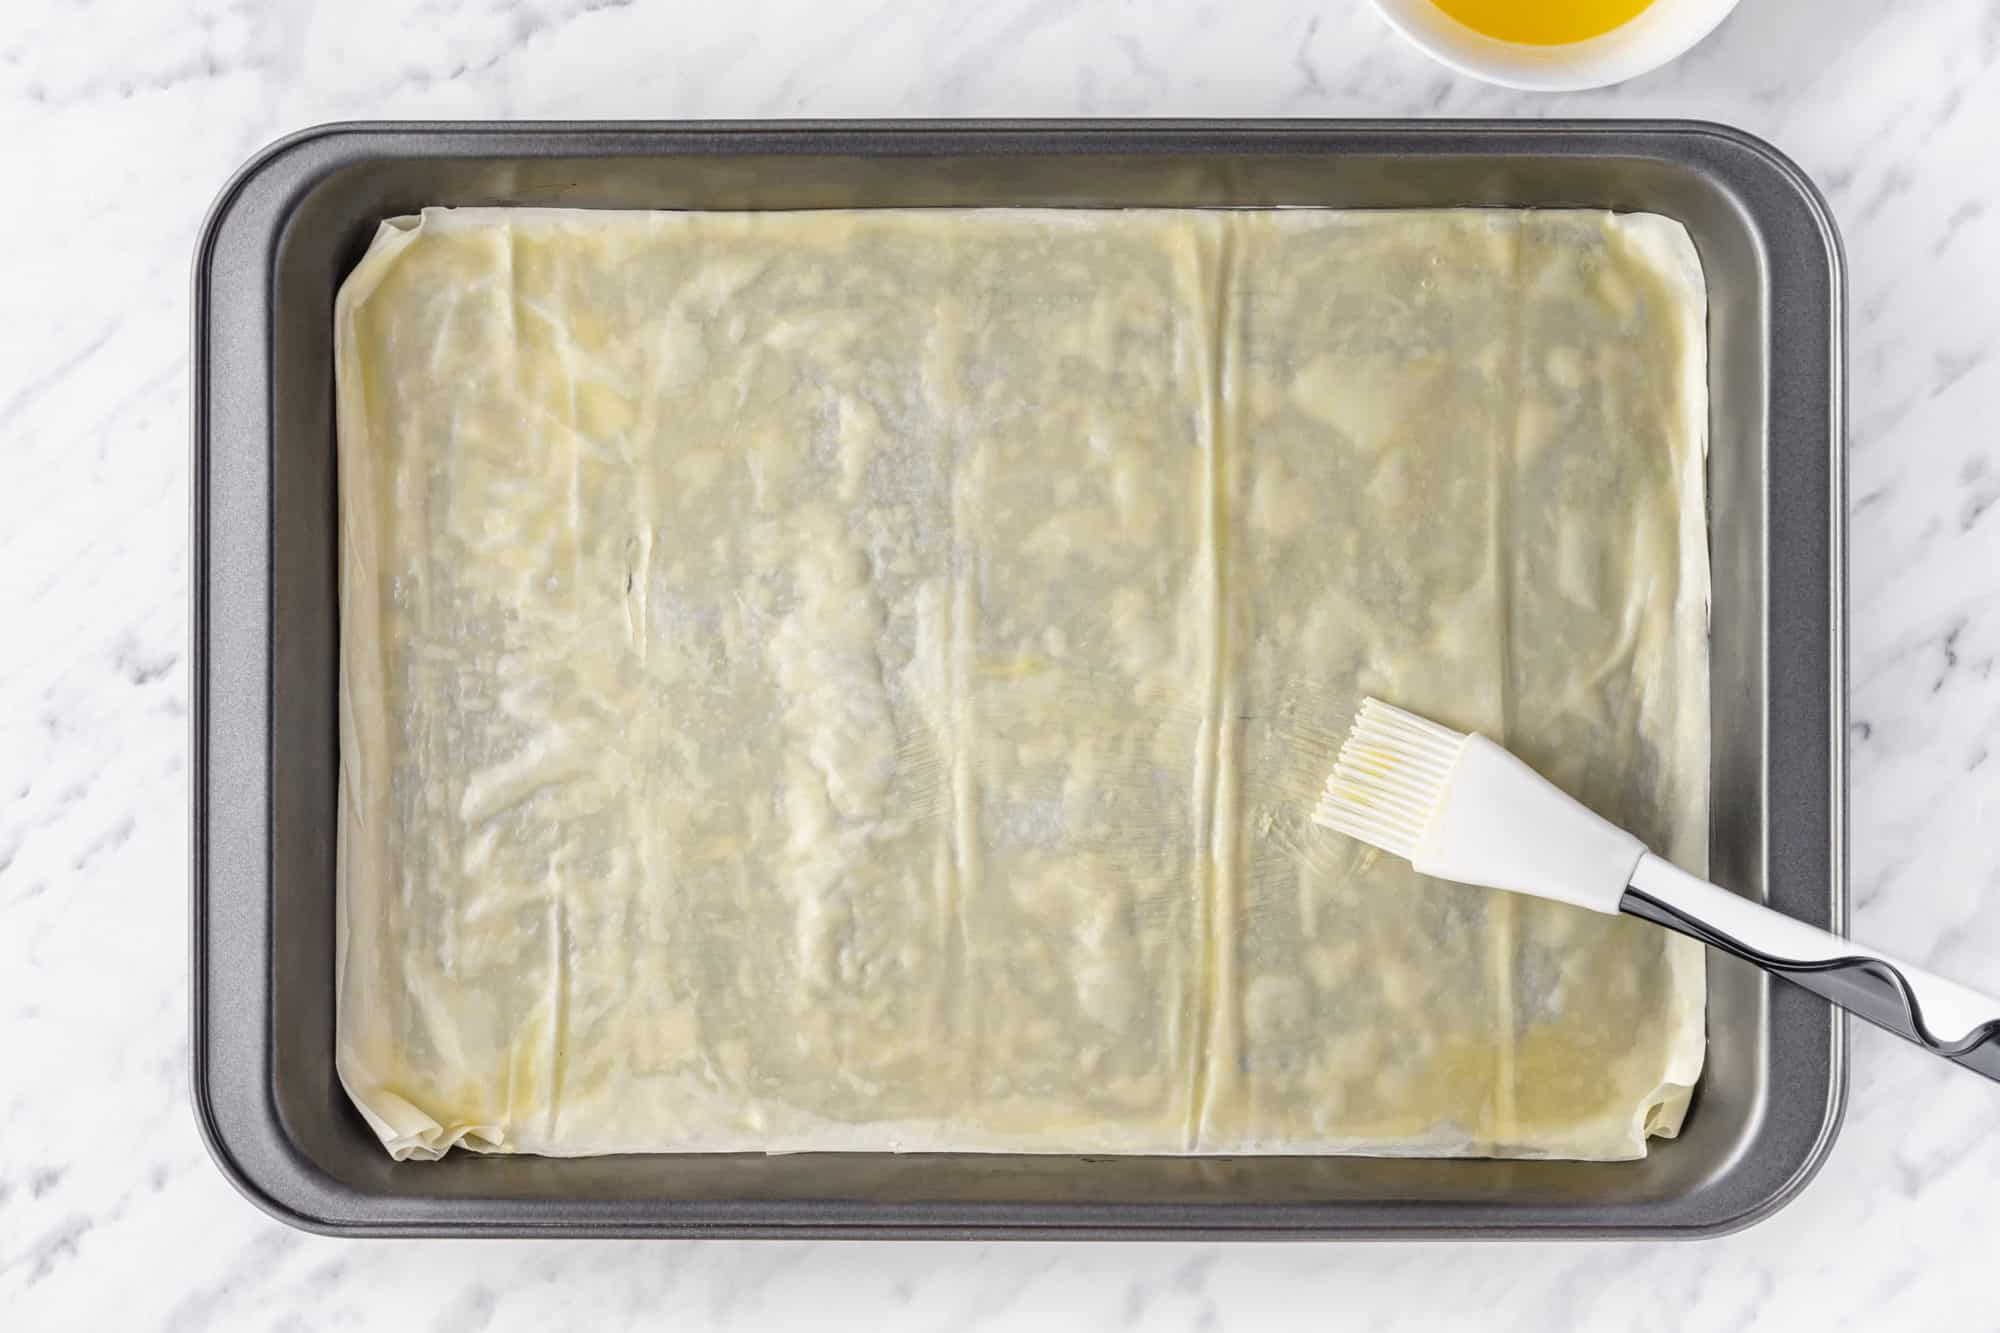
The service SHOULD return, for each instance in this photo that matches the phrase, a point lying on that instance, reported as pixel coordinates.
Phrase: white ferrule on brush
(1526, 835)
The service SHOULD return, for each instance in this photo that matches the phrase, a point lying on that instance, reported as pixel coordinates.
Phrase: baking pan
(297, 218)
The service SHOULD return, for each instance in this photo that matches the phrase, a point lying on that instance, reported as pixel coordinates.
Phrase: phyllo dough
(854, 680)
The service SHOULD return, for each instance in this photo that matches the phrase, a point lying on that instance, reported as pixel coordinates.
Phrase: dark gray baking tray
(297, 218)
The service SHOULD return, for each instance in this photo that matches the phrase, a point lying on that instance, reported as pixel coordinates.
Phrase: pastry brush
(1459, 807)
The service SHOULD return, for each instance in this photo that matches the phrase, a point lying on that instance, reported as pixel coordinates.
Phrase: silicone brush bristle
(1389, 779)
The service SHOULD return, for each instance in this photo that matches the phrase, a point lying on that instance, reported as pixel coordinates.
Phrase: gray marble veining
(123, 118)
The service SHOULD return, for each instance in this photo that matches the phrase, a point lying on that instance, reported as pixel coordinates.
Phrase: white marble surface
(123, 117)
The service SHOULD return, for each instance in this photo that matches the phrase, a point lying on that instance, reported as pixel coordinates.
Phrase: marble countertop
(127, 116)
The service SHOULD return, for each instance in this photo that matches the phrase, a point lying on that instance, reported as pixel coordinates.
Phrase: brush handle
(1945, 1018)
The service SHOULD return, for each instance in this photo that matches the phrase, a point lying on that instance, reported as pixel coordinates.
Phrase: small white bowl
(1661, 32)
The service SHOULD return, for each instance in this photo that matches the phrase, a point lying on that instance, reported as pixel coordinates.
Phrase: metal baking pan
(296, 219)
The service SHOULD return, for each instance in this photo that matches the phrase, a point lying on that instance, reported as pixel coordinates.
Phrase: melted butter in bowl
(1543, 22)
(1554, 45)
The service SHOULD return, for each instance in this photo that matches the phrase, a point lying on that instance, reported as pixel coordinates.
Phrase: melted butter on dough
(852, 680)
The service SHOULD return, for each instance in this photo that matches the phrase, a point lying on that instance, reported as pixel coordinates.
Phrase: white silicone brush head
(1388, 778)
